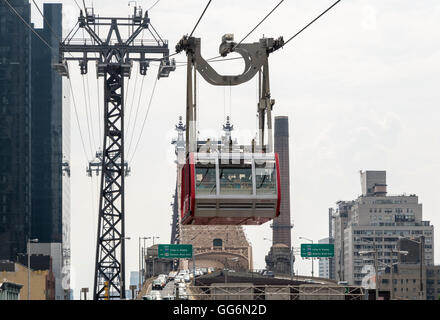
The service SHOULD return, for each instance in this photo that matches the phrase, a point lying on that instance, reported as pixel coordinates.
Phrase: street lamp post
(29, 265)
(291, 263)
(312, 243)
(153, 237)
(141, 264)
(194, 266)
(143, 254)
(122, 294)
(152, 258)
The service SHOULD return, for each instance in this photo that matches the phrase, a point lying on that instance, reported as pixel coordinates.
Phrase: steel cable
(200, 18)
(145, 119)
(136, 115)
(310, 23)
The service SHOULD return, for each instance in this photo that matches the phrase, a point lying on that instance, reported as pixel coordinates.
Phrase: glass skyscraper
(46, 131)
(34, 139)
(15, 129)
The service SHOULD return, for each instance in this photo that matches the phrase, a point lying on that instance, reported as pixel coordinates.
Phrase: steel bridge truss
(114, 58)
(275, 292)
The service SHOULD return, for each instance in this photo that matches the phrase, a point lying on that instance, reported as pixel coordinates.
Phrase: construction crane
(114, 57)
(229, 184)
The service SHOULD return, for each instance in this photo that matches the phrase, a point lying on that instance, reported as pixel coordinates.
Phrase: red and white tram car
(230, 188)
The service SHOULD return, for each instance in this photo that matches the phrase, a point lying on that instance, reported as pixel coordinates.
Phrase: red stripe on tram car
(278, 184)
(182, 190)
(193, 181)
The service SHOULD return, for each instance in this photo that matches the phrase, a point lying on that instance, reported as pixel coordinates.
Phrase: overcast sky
(360, 88)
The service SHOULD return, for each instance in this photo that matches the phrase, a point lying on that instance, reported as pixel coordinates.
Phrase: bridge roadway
(168, 290)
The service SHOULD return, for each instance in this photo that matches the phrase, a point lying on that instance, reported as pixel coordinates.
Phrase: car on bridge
(158, 284)
(172, 275)
(198, 272)
(183, 295)
(204, 270)
(154, 295)
(180, 285)
(179, 278)
(187, 278)
(268, 273)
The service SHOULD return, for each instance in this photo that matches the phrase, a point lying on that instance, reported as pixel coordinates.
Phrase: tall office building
(280, 258)
(50, 216)
(341, 216)
(15, 129)
(34, 146)
(46, 132)
(331, 240)
(376, 220)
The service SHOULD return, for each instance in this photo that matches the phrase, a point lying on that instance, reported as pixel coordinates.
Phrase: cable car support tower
(114, 57)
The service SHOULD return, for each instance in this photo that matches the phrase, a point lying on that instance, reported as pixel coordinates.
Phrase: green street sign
(175, 251)
(317, 250)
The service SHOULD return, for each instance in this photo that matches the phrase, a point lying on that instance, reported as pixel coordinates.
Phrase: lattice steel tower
(114, 57)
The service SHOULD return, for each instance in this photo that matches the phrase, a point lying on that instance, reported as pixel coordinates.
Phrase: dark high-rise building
(33, 147)
(50, 216)
(47, 153)
(280, 257)
(15, 129)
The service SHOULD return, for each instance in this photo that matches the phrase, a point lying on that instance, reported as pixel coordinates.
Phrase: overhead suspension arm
(255, 56)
